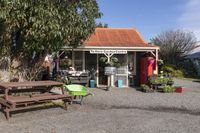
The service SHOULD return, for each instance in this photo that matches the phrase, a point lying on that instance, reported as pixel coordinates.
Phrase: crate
(179, 89)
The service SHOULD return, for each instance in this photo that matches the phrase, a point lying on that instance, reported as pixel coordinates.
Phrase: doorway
(102, 77)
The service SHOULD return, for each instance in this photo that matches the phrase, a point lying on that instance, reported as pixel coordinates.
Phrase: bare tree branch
(175, 45)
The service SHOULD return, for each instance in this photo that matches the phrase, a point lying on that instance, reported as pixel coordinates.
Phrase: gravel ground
(117, 111)
(189, 85)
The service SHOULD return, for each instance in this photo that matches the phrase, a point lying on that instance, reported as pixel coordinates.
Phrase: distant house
(126, 44)
(195, 58)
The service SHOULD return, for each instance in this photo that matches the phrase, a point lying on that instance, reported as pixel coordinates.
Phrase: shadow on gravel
(155, 109)
(197, 81)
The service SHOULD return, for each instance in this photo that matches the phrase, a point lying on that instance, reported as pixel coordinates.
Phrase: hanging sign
(108, 51)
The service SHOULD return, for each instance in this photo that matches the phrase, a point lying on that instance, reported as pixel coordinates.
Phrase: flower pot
(179, 89)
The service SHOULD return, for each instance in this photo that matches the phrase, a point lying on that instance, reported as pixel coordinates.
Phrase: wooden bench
(17, 102)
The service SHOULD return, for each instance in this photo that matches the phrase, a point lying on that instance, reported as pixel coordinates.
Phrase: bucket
(92, 83)
(119, 83)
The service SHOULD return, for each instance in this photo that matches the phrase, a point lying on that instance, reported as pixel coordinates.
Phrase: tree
(34, 28)
(175, 45)
(101, 25)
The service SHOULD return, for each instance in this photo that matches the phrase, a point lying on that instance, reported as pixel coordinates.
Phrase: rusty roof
(116, 37)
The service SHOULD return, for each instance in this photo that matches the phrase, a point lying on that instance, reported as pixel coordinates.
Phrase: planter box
(179, 89)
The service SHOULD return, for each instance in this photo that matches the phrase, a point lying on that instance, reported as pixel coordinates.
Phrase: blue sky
(150, 17)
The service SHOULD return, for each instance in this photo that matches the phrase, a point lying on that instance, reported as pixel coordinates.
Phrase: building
(127, 45)
(195, 58)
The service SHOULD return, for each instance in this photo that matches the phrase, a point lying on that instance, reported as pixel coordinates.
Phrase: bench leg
(65, 104)
(81, 100)
(7, 113)
(71, 100)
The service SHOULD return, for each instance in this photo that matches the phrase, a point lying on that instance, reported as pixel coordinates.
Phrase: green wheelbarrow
(78, 92)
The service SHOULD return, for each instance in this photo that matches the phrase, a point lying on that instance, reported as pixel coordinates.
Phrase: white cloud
(190, 18)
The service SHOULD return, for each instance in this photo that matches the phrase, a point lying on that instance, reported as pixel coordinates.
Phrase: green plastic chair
(78, 91)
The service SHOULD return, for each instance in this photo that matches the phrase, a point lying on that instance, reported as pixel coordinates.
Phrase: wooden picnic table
(11, 102)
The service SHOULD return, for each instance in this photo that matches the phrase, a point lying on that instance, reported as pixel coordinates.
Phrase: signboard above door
(108, 51)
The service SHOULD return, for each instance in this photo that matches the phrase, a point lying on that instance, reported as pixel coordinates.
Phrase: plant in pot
(170, 81)
(110, 67)
(146, 88)
(168, 89)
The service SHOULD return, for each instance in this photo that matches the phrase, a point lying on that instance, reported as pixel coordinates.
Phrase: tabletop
(7, 85)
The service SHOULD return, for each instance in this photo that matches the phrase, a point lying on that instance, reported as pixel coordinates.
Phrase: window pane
(131, 61)
(90, 61)
(122, 58)
(78, 60)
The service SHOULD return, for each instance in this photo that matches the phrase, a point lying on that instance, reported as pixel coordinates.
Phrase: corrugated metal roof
(116, 37)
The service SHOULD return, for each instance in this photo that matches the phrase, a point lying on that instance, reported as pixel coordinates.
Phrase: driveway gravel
(189, 85)
(122, 110)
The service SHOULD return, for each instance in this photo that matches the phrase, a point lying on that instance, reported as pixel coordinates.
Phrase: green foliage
(169, 70)
(146, 88)
(160, 62)
(32, 28)
(188, 68)
(168, 88)
(179, 73)
(113, 61)
(65, 63)
(101, 25)
(160, 80)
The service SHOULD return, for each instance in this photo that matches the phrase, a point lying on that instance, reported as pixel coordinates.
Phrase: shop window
(78, 60)
(122, 67)
(131, 63)
(90, 61)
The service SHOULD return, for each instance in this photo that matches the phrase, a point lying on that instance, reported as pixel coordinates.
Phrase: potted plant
(168, 88)
(170, 81)
(110, 67)
(146, 88)
(156, 80)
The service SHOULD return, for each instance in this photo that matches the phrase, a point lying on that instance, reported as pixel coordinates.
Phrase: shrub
(170, 81)
(160, 80)
(146, 88)
(169, 70)
(190, 70)
(179, 73)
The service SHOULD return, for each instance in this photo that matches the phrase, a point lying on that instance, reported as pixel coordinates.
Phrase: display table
(21, 95)
(82, 78)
